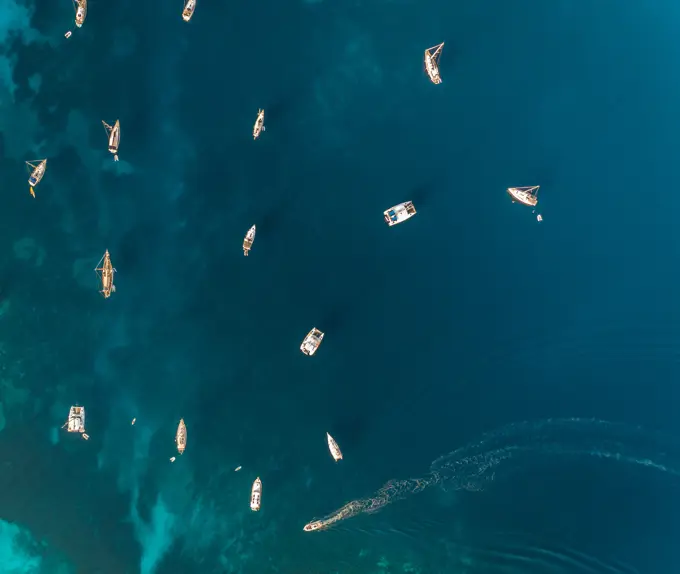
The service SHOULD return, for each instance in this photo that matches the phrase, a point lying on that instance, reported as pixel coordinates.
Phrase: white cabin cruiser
(76, 421)
(248, 241)
(188, 12)
(256, 495)
(399, 213)
(311, 342)
(525, 195)
(336, 453)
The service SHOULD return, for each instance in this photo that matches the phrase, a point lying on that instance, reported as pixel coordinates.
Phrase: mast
(432, 63)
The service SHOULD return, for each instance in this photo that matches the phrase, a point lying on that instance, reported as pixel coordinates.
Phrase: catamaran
(76, 421)
(432, 63)
(113, 133)
(37, 169)
(525, 195)
(188, 12)
(248, 241)
(259, 124)
(105, 272)
(399, 213)
(311, 342)
(181, 436)
(336, 453)
(81, 11)
(256, 495)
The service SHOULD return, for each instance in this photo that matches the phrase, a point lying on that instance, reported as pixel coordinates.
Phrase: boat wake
(475, 465)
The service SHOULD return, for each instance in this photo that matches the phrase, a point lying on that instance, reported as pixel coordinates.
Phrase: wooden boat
(81, 11)
(256, 495)
(336, 453)
(113, 132)
(76, 420)
(399, 213)
(259, 124)
(181, 436)
(311, 342)
(188, 12)
(37, 169)
(432, 63)
(525, 195)
(105, 271)
(248, 241)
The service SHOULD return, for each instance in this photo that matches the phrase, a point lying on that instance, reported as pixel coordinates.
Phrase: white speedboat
(311, 342)
(76, 421)
(432, 63)
(105, 272)
(525, 195)
(258, 128)
(113, 132)
(336, 453)
(181, 436)
(248, 241)
(256, 495)
(399, 213)
(188, 12)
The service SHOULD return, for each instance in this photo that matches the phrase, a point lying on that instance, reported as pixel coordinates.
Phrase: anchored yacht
(259, 124)
(37, 169)
(256, 495)
(181, 436)
(113, 132)
(248, 241)
(105, 272)
(336, 453)
(76, 421)
(311, 342)
(525, 195)
(399, 213)
(432, 63)
(188, 12)
(80, 7)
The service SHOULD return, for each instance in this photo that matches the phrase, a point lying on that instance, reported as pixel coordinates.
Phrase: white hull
(256, 495)
(188, 11)
(248, 241)
(181, 436)
(76, 420)
(399, 213)
(336, 453)
(311, 342)
(524, 195)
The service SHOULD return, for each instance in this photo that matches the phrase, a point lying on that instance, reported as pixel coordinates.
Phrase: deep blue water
(466, 318)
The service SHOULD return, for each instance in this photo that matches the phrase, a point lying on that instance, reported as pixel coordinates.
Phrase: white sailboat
(256, 495)
(181, 436)
(311, 342)
(188, 12)
(76, 421)
(432, 63)
(105, 272)
(399, 213)
(248, 241)
(113, 133)
(525, 195)
(336, 453)
(37, 168)
(259, 124)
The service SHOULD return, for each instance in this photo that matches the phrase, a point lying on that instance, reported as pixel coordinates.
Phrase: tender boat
(432, 63)
(525, 195)
(336, 453)
(248, 241)
(76, 421)
(311, 342)
(37, 169)
(188, 12)
(113, 132)
(259, 124)
(181, 436)
(256, 495)
(81, 11)
(399, 213)
(105, 272)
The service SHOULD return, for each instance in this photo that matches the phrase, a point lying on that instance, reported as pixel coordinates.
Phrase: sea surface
(439, 333)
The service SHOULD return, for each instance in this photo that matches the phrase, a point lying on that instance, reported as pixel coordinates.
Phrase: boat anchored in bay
(432, 63)
(37, 168)
(181, 436)
(113, 133)
(336, 453)
(80, 7)
(188, 12)
(76, 421)
(105, 272)
(399, 213)
(248, 241)
(311, 342)
(524, 195)
(259, 124)
(256, 495)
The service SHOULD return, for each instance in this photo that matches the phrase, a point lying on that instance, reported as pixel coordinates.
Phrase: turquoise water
(467, 318)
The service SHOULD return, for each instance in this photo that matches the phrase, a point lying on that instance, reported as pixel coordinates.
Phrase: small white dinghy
(256, 495)
(248, 241)
(336, 453)
(76, 421)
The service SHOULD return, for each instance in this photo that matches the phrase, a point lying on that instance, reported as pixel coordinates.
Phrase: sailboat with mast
(432, 56)
(181, 436)
(258, 128)
(81, 11)
(105, 272)
(248, 241)
(37, 169)
(188, 12)
(524, 195)
(113, 132)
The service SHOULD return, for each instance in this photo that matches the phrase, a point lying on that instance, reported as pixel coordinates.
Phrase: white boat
(525, 195)
(256, 495)
(113, 132)
(259, 124)
(336, 453)
(181, 436)
(81, 11)
(311, 342)
(432, 63)
(399, 213)
(76, 421)
(248, 241)
(188, 12)
(105, 272)
(37, 169)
